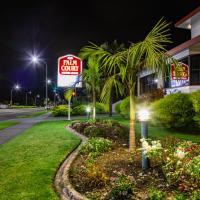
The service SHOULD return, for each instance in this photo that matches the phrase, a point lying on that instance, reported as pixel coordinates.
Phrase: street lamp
(35, 59)
(55, 95)
(48, 81)
(37, 96)
(143, 116)
(15, 87)
(88, 109)
(27, 97)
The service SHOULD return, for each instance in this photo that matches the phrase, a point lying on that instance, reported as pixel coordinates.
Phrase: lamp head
(88, 109)
(16, 87)
(48, 81)
(34, 59)
(143, 114)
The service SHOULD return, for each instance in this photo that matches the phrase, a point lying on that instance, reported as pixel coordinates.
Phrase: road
(6, 114)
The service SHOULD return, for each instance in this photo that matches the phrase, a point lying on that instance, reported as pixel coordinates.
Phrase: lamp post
(16, 87)
(37, 96)
(27, 96)
(143, 116)
(35, 59)
(55, 95)
(88, 109)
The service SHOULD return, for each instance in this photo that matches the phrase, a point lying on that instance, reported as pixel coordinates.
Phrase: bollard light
(88, 109)
(144, 116)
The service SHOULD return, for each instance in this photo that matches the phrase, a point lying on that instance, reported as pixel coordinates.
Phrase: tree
(148, 54)
(68, 94)
(92, 76)
(113, 48)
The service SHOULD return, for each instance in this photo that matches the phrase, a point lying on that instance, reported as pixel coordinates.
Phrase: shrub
(80, 126)
(125, 107)
(76, 103)
(101, 108)
(79, 110)
(195, 98)
(61, 110)
(117, 108)
(173, 111)
(155, 194)
(123, 189)
(96, 145)
(94, 131)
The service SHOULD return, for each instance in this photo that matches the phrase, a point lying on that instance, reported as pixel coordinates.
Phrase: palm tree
(92, 76)
(148, 54)
(68, 94)
(113, 48)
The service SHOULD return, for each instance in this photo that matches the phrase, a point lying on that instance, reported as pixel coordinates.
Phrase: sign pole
(69, 107)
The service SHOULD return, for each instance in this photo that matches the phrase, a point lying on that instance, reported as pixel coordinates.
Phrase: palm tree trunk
(110, 105)
(94, 102)
(132, 144)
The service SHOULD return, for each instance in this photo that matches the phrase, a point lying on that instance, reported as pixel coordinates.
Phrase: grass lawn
(160, 132)
(6, 124)
(35, 114)
(28, 163)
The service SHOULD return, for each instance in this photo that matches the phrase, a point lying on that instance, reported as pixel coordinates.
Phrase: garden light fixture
(143, 116)
(88, 109)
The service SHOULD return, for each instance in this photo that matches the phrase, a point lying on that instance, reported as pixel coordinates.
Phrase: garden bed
(106, 169)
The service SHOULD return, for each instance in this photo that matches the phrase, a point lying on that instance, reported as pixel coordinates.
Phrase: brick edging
(62, 183)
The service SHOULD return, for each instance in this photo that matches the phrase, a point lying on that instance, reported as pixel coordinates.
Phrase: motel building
(188, 53)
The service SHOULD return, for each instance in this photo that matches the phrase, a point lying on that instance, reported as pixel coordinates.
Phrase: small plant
(93, 131)
(96, 176)
(123, 189)
(151, 149)
(193, 167)
(180, 197)
(155, 194)
(96, 145)
(196, 195)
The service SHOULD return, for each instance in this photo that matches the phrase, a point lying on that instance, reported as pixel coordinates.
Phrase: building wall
(182, 54)
(195, 23)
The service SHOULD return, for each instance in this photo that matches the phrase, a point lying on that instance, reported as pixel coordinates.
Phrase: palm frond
(68, 94)
(111, 82)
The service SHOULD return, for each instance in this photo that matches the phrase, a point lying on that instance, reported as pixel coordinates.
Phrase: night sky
(56, 28)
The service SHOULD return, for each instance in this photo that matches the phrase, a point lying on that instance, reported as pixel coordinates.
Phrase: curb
(62, 183)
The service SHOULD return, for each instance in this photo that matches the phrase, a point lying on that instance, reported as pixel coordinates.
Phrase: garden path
(25, 123)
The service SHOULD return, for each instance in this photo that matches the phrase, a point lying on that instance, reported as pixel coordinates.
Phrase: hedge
(173, 111)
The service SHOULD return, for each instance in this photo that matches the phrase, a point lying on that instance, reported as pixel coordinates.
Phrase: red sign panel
(181, 72)
(70, 65)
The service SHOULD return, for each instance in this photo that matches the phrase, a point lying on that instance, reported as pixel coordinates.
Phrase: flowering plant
(151, 149)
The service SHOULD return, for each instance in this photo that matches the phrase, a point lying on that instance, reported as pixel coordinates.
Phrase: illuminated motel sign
(179, 75)
(69, 71)
(181, 72)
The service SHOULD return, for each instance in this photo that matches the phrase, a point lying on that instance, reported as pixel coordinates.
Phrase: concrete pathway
(25, 123)
(9, 133)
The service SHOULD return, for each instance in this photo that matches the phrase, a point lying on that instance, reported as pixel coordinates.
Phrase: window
(195, 69)
(148, 83)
